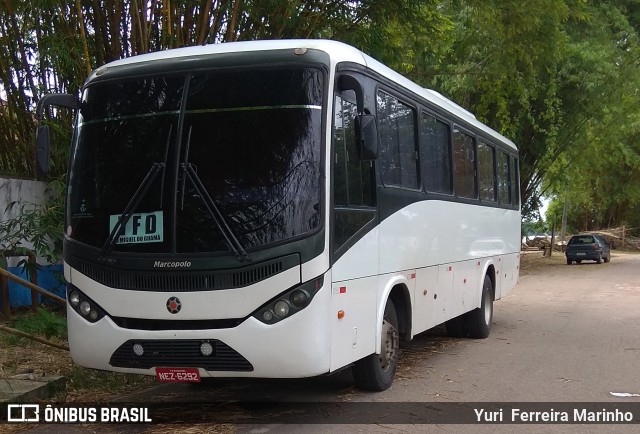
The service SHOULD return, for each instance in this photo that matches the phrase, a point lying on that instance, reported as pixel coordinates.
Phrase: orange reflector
(340, 314)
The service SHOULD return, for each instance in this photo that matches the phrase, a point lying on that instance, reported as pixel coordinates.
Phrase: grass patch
(42, 323)
(93, 384)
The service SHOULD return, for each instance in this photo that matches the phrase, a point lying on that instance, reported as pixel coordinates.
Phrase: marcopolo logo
(171, 264)
(174, 305)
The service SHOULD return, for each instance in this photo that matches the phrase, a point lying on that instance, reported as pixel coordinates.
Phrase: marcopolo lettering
(172, 264)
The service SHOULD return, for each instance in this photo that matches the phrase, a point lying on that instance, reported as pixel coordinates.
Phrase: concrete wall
(28, 193)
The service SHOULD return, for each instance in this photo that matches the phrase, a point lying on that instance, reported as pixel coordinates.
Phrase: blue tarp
(50, 277)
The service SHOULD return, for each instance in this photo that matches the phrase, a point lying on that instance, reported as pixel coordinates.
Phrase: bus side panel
(353, 320)
(429, 300)
(445, 288)
(353, 292)
(509, 275)
(465, 288)
(433, 232)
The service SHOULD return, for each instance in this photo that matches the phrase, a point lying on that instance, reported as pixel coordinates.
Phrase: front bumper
(293, 348)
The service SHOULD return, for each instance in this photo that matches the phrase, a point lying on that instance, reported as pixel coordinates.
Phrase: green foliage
(42, 323)
(533, 227)
(558, 77)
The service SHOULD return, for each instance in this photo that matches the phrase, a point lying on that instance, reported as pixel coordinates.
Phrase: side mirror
(366, 137)
(42, 150)
(43, 142)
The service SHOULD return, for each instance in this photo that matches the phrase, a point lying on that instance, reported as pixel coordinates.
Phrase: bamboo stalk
(30, 285)
(83, 38)
(32, 337)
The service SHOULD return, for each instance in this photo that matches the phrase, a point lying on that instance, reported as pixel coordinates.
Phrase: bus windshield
(195, 158)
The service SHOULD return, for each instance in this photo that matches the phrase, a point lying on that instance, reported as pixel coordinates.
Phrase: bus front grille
(179, 353)
(162, 280)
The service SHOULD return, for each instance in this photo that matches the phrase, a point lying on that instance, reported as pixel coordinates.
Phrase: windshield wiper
(232, 241)
(130, 208)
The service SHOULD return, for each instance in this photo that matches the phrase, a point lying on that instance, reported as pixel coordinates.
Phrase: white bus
(278, 209)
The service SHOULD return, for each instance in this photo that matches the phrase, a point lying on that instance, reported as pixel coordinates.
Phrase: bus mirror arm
(43, 142)
(56, 99)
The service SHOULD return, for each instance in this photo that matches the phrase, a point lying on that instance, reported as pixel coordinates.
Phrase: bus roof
(337, 51)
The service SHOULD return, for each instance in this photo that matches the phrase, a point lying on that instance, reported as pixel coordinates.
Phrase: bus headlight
(74, 298)
(85, 308)
(83, 305)
(289, 303)
(281, 308)
(299, 298)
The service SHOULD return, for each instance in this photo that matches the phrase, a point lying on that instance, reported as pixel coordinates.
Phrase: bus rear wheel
(376, 371)
(479, 320)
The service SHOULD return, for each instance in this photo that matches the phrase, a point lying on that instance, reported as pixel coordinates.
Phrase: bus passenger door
(354, 241)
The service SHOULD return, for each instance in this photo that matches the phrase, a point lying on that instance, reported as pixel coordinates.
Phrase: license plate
(168, 375)
(581, 254)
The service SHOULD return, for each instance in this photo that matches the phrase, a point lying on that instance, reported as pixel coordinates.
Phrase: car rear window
(586, 239)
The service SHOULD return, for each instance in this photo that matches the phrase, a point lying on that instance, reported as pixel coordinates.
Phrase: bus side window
(504, 193)
(435, 154)
(515, 188)
(486, 172)
(398, 153)
(464, 168)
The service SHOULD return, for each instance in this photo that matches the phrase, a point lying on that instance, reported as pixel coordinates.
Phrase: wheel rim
(487, 308)
(389, 349)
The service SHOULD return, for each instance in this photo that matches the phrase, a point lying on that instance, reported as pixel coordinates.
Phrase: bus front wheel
(376, 371)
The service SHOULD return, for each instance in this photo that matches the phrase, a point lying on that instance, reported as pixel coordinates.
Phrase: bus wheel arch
(491, 273)
(376, 371)
(476, 323)
(401, 299)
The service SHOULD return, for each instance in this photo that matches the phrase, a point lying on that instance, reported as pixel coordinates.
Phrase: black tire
(376, 371)
(457, 327)
(599, 259)
(569, 261)
(607, 259)
(479, 320)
